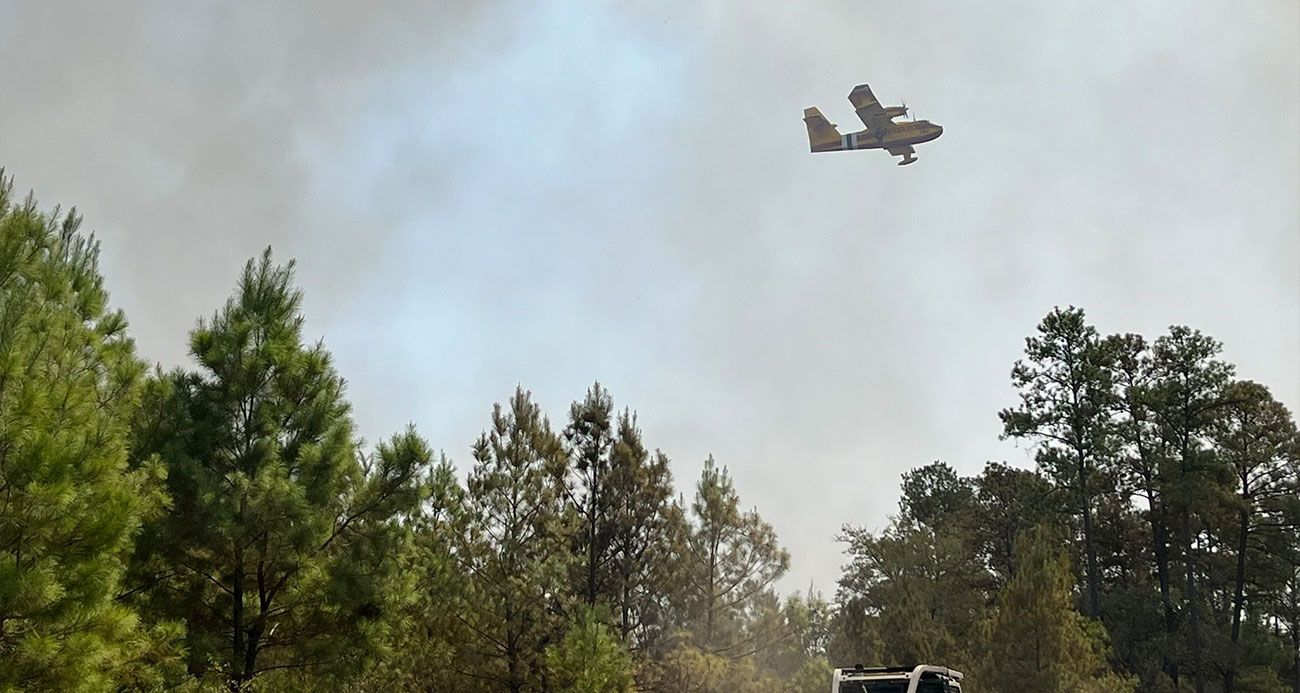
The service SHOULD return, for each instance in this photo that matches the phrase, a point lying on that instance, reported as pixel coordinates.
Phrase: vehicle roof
(896, 672)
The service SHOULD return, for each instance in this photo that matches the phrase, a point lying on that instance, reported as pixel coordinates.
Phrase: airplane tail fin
(821, 132)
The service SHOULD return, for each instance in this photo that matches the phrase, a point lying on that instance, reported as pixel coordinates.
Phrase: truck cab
(922, 678)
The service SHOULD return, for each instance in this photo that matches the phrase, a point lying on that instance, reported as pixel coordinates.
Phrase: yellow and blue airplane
(881, 131)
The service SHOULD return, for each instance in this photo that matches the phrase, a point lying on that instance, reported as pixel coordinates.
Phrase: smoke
(485, 194)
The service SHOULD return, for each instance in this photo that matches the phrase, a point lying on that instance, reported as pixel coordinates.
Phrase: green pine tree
(590, 658)
(1066, 401)
(645, 529)
(514, 549)
(276, 550)
(1037, 641)
(733, 557)
(1257, 436)
(588, 439)
(1186, 398)
(68, 504)
(911, 595)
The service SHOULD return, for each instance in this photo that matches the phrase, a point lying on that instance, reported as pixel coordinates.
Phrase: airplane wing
(867, 106)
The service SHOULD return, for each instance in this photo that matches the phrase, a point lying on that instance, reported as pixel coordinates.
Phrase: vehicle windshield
(873, 687)
(895, 686)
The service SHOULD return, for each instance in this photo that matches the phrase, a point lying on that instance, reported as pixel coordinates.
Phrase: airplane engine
(896, 111)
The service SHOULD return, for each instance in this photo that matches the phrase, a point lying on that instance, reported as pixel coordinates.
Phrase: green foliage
(222, 528)
(732, 557)
(1066, 401)
(590, 658)
(921, 591)
(801, 633)
(588, 439)
(1257, 436)
(935, 496)
(275, 550)
(514, 548)
(68, 504)
(419, 652)
(686, 669)
(647, 533)
(811, 677)
(1036, 640)
(1010, 502)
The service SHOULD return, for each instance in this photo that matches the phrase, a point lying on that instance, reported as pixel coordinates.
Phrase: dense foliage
(224, 527)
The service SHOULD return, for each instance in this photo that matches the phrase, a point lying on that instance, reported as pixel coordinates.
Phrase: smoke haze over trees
(222, 526)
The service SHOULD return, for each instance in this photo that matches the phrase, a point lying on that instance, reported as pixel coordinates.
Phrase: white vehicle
(922, 678)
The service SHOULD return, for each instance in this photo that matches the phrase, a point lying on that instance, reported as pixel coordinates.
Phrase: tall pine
(275, 551)
(1257, 436)
(68, 505)
(588, 439)
(1066, 400)
(1186, 398)
(646, 527)
(515, 549)
(733, 557)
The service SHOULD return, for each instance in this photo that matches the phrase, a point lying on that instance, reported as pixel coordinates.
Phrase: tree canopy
(221, 526)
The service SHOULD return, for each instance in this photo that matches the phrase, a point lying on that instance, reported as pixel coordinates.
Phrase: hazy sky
(482, 194)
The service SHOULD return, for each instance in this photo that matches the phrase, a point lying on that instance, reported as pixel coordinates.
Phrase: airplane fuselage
(893, 135)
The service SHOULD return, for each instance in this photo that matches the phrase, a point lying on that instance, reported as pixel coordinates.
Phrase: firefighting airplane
(881, 133)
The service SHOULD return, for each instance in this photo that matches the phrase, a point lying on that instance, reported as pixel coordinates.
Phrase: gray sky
(481, 194)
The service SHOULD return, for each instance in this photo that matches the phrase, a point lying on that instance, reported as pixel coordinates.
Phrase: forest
(221, 526)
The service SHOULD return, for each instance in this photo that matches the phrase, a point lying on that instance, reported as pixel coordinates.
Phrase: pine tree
(1036, 641)
(1186, 397)
(419, 651)
(275, 550)
(935, 496)
(1257, 436)
(515, 548)
(1066, 400)
(1143, 463)
(590, 658)
(1010, 502)
(801, 635)
(1288, 611)
(69, 381)
(588, 439)
(646, 527)
(912, 594)
(733, 557)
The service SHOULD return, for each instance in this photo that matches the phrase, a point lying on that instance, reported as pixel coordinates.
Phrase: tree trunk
(1161, 540)
(624, 617)
(1295, 660)
(250, 652)
(516, 682)
(1193, 603)
(1094, 595)
(591, 553)
(1238, 597)
(1295, 633)
(713, 569)
(238, 674)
